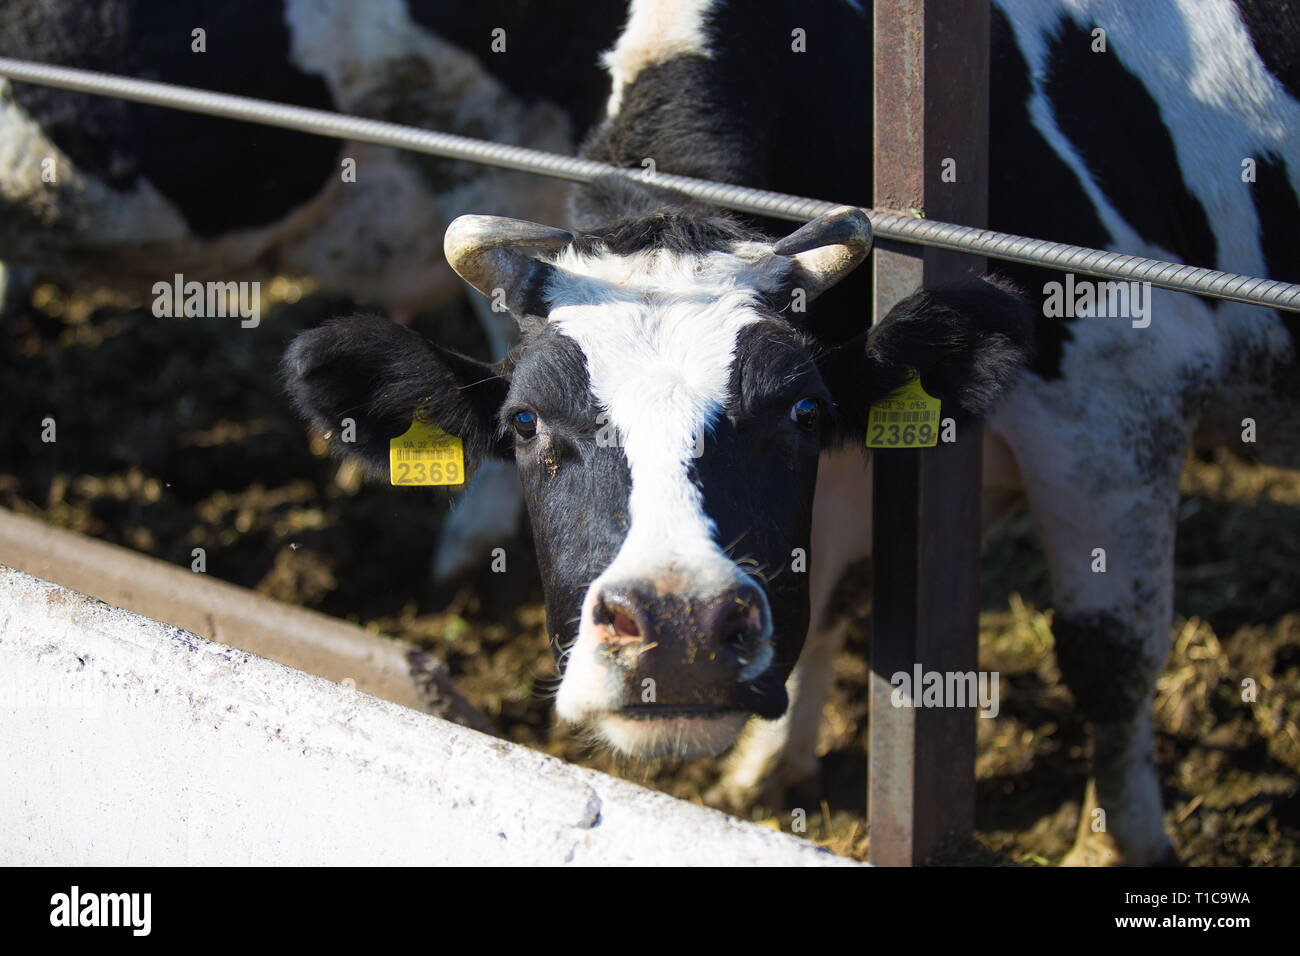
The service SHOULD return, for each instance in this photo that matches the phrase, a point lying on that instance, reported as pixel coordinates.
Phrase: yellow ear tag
(426, 455)
(906, 418)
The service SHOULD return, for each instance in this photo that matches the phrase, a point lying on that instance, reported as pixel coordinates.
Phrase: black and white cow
(667, 408)
(106, 192)
(672, 321)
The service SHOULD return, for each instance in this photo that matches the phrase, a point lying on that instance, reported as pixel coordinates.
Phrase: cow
(116, 194)
(1149, 127)
(667, 407)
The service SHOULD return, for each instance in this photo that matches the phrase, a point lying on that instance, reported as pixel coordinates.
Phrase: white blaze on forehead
(659, 335)
(656, 31)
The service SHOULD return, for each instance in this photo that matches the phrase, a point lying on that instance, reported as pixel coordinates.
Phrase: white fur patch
(656, 31)
(659, 335)
(671, 737)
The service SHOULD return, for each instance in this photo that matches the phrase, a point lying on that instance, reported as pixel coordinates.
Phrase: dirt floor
(173, 434)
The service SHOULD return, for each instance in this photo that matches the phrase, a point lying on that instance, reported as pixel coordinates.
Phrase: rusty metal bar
(931, 126)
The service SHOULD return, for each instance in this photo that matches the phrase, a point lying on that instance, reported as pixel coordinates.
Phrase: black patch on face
(1115, 125)
(548, 374)
(1031, 190)
(758, 472)
(576, 485)
(1274, 28)
(552, 49)
(221, 174)
(1279, 229)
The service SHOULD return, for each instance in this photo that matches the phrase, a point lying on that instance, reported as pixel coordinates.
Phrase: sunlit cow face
(666, 416)
(667, 427)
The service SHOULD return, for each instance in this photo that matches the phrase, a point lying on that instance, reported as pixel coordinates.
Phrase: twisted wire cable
(887, 224)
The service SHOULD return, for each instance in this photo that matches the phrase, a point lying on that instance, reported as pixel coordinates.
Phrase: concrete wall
(212, 608)
(128, 741)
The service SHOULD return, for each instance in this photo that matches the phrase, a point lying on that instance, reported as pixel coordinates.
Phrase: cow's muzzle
(659, 670)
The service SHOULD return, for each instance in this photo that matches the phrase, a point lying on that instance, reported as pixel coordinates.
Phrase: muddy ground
(173, 434)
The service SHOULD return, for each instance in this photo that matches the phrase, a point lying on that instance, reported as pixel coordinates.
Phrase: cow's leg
(1110, 659)
(1104, 495)
(776, 757)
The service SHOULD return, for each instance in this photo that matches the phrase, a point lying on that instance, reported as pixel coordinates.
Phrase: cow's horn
(487, 252)
(828, 248)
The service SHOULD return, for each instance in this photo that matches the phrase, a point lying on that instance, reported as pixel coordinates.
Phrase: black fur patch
(680, 114)
(1274, 28)
(576, 481)
(1103, 663)
(577, 506)
(773, 365)
(548, 374)
(674, 229)
(221, 174)
(1115, 125)
(758, 472)
(757, 113)
(1279, 229)
(806, 117)
(552, 50)
(1031, 190)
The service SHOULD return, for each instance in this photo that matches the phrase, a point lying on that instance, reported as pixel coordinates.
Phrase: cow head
(666, 408)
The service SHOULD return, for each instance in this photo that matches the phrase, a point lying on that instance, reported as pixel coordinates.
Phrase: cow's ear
(380, 376)
(968, 341)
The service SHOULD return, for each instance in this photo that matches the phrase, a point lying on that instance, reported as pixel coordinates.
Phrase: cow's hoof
(1094, 849)
(1100, 848)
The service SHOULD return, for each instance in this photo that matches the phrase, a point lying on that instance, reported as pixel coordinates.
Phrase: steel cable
(888, 225)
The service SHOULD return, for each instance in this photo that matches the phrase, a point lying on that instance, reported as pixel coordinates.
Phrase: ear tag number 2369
(906, 418)
(426, 455)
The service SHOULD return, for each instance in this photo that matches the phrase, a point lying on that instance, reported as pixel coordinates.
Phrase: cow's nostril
(740, 630)
(737, 627)
(619, 614)
(625, 625)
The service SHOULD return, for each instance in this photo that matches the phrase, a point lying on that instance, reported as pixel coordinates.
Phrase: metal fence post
(931, 63)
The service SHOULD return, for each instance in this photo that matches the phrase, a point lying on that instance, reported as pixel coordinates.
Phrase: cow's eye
(806, 411)
(524, 423)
